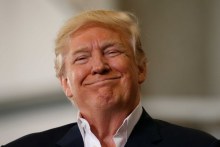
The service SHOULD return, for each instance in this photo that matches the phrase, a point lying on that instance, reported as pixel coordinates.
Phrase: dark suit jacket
(147, 133)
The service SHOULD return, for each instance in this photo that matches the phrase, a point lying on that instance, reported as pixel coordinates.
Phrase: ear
(64, 81)
(142, 72)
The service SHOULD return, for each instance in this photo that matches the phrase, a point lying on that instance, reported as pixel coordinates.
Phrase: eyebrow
(103, 46)
(80, 50)
(111, 43)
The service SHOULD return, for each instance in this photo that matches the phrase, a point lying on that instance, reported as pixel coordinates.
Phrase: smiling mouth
(102, 81)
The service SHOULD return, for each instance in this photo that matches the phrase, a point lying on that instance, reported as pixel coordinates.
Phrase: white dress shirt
(121, 136)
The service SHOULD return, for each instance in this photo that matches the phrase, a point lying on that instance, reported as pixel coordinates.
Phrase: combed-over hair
(123, 21)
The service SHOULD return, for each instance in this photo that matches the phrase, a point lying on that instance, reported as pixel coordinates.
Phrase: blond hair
(123, 21)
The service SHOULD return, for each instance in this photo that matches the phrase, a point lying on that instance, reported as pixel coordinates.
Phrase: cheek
(121, 65)
(126, 67)
(128, 70)
(75, 77)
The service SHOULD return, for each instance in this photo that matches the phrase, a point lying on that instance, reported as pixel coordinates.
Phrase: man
(101, 66)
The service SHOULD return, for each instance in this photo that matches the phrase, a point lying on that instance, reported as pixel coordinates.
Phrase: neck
(105, 123)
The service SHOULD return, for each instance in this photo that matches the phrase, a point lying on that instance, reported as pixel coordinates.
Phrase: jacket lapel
(72, 138)
(145, 132)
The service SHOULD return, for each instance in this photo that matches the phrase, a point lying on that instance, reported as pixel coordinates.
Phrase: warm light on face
(101, 71)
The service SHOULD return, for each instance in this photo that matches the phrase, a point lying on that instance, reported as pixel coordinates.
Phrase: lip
(102, 81)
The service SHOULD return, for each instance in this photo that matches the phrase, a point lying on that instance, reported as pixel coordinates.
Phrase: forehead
(97, 34)
(92, 25)
(92, 30)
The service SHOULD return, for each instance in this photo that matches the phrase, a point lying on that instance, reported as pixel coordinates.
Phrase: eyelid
(112, 52)
(81, 58)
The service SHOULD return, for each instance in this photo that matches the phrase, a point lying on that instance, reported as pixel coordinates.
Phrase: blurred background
(181, 39)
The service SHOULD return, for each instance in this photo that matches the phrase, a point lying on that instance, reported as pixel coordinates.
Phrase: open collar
(145, 132)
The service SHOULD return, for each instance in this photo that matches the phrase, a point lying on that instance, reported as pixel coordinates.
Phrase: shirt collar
(132, 119)
(121, 136)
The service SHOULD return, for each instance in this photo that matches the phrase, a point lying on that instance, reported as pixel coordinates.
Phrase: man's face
(100, 71)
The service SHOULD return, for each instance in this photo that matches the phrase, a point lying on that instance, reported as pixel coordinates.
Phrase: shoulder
(161, 133)
(183, 135)
(45, 138)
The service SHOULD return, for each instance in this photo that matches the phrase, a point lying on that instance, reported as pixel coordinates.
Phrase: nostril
(101, 70)
(106, 70)
(99, 64)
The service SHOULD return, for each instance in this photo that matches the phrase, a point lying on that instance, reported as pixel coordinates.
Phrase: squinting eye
(112, 53)
(81, 59)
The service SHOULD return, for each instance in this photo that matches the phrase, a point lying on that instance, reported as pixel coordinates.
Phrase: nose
(100, 65)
